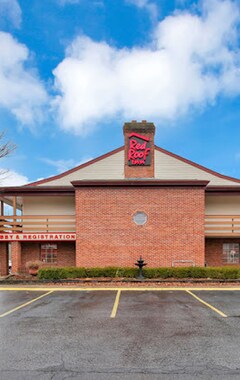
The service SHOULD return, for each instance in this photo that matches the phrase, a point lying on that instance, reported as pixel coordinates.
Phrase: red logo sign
(138, 150)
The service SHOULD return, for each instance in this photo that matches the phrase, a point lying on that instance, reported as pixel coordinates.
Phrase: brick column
(3, 259)
(16, 256)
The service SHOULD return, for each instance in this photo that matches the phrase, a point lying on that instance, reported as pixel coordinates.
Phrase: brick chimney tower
(139, 149)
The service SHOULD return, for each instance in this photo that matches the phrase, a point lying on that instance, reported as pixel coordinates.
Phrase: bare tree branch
(6, 148)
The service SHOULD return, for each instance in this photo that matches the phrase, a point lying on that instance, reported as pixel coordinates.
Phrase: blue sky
(73, 71)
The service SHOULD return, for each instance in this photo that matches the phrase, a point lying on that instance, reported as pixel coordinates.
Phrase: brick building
(136, 200)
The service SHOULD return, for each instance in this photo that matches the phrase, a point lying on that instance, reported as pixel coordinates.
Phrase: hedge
(183, 272)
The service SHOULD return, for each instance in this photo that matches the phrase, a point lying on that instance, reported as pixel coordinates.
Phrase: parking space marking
(92, 289)
(115, 306)
(25, 304)
(207, 304)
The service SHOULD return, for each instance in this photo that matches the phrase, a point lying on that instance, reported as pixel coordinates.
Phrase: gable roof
(71, 174)
(110, 166)
(169, 165)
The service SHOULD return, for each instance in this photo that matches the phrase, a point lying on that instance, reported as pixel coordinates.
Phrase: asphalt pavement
(88, 335)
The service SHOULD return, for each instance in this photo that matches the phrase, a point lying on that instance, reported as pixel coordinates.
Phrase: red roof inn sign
(138, 150)
(37, 237)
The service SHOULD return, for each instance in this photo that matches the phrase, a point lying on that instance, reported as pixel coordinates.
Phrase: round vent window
(140, 218)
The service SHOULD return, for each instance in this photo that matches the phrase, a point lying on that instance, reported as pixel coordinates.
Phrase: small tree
(6, 148)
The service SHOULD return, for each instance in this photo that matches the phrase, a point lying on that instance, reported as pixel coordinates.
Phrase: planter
(33, 271)
(33, 267)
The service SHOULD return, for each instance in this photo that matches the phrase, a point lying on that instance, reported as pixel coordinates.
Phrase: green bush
(223, 272)
(61, 273)
(78, 272)
(101, 272)
(158, 272)
(151, 273)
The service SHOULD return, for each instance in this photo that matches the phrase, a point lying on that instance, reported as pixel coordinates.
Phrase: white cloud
(148, 5)
(84, 160)
(65, 2)
(10, 11)
(64, 165)
(97, 3)
(60, 165)
(191, 61)
(12, 178)
(21, 92)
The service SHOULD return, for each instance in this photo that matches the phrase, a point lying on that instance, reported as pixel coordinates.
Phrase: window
(231, 253)
(49, 253)
(140, 218)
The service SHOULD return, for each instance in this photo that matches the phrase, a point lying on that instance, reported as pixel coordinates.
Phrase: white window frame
(231, 253)
(49, 253)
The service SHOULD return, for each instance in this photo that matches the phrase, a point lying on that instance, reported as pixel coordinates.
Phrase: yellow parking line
(207, 304)
(130, 289)
(25, 304)
(115, 306)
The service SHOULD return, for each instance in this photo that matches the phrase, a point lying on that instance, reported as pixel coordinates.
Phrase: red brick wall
(214, 250)
(65, 255)
(107, 235)
(3, 259)
(16, 256)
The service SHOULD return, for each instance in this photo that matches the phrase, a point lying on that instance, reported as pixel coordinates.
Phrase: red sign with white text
(138, 150)
(38, 237)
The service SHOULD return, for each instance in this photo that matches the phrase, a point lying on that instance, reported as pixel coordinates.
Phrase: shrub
(101, 272)
(127, 272)
(164, 273)
(78, 272)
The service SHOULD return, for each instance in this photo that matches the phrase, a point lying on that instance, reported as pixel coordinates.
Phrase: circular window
(140, 218)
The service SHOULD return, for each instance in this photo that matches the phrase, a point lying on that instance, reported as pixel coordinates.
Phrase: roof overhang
(139, 183)
(223, 190)
(36, 190)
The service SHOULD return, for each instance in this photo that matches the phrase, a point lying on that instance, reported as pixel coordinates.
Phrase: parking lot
(111, 333)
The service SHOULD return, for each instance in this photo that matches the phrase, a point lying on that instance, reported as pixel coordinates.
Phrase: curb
(113, 281)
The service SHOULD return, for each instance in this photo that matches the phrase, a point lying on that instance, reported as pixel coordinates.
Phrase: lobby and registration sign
(138, 150)
(38, 237)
